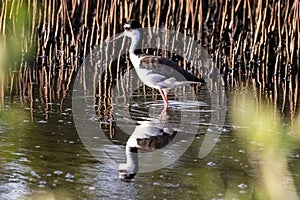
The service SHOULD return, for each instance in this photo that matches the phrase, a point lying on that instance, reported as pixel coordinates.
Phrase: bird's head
(131, 28)
(126, 175)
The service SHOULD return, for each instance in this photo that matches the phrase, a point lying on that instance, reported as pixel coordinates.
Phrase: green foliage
(16, 35)
(268, 143)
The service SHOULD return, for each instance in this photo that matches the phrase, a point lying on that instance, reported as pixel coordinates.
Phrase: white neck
(135, 38)
(132, 161)
(131, 164)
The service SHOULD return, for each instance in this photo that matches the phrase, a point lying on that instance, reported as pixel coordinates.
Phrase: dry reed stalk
(224, 14)
(103, 20)
(179, 17)
(141, 11)
(11, 9)
(280, 29)
(2, 27)
(291, 101)
(130, 9)
(20, 85)
(93, 32)
(33, 27)
(168, 16)
(12, 78)
(97, 18)
(188, 11)
(259, 13)
(214, 20)
(4, 12)
(74, 7)
(52, 13)
(200, 21)
(232, 25)
(25, 82)
(31, 99)
(158, 12)
(69, 20)
(121, 12)
(296, 92)
(2, 92)
(126, 15)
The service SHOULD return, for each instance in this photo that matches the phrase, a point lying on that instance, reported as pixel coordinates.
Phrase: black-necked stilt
(156, 71)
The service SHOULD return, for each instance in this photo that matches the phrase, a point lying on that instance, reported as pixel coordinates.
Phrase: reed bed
(252, 42)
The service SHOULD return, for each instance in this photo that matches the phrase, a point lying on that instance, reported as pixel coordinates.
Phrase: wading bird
(155, 71)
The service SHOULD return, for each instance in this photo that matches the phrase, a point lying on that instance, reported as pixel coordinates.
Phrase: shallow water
(43, 156)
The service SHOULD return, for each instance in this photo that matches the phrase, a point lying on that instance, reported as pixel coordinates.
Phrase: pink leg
(165, 97)
(163, 113)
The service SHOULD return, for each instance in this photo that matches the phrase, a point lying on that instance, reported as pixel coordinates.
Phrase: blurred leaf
(15, 38)
(268, 145)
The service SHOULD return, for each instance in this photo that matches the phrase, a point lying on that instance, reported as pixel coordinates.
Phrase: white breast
(147, 76)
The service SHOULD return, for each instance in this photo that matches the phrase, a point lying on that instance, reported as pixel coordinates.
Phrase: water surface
(42, 155)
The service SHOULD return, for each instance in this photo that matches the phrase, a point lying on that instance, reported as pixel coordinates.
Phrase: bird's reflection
(150, 135)
(122, 124)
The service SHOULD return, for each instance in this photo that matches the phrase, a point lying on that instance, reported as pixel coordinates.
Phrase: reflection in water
(41, 158)
(150, 135)
(128, 102)
(219, 105)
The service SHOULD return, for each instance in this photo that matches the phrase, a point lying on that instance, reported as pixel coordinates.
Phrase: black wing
(167, 68)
